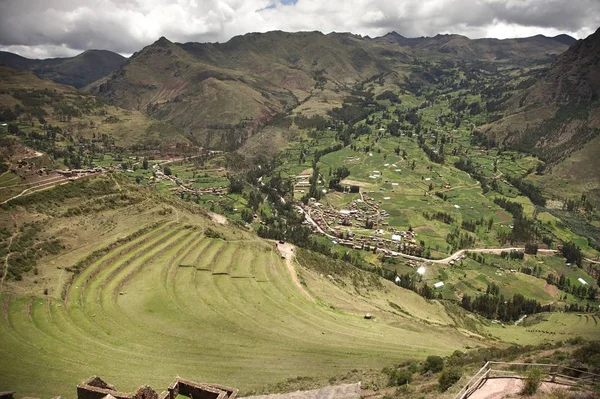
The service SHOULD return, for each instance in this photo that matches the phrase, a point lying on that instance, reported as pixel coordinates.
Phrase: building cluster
(77, 173)
(335, 224)
(183, 186)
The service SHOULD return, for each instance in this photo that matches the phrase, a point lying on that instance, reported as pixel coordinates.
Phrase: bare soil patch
(351, 182)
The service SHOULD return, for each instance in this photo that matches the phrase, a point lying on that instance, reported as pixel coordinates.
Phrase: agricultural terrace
(177, 300)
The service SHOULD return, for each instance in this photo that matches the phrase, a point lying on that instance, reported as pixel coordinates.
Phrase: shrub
(433, 364)
(400, 377)
(532, 381)
(210, 233)
(448, 378)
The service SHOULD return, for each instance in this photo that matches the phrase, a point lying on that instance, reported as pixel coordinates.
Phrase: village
(362, 213)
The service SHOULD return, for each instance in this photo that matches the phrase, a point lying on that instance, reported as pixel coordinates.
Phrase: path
(498, 388)
(287, 250)
(10, 240)
(345, 391)
(35, 189)
(116, 182)
(495, 251)
(47, 186)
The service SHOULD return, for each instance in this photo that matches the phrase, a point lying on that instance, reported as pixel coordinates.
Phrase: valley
(284, 210)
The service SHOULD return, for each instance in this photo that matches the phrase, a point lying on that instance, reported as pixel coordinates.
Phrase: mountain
(558, 118)
(77, 71)
(45, 106)
(573, 79)
(223, 93)
(460, 47)
(561, 111)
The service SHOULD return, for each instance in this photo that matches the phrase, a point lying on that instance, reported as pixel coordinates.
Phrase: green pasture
(549, 327)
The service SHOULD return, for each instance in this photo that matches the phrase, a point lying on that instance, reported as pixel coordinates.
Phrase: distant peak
(163, 41)
(565, 39)
(393, 34)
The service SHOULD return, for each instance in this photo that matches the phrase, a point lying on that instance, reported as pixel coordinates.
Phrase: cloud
(66, 27)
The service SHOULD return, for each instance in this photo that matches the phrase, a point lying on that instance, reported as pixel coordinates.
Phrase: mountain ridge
(222, 93)
(77, 71)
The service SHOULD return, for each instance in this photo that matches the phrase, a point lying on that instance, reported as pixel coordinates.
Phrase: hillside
(77, 71)
(561, 111)
(48, 116)
(530, 49)
(558, 116)
(149, 284)
(222, 94)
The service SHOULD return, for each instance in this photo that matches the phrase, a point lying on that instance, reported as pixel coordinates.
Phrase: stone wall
(200, 391)
(96, 388)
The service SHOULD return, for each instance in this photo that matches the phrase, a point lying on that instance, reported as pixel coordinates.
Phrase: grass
(553, 327)
(236, 317)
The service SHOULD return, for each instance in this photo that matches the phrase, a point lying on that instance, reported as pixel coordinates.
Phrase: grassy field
(173, 302)
(550, 327)
(163, 297)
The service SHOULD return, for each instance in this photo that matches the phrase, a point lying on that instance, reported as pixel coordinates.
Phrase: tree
(236, 185)
(434, 364)
(572, 252)
(531, 248)
(167, 171)
(247, 215)
(400, 377)
(448, 378)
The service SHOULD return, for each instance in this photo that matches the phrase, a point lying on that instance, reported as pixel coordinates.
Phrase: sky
(61, 28)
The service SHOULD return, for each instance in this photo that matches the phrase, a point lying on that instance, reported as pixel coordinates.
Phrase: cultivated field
(174, 302)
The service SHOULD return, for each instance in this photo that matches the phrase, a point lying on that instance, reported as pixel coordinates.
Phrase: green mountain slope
(560, 113)
(41, 108)
(222, 94)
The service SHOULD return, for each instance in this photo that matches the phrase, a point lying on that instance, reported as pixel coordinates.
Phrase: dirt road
(288, 251)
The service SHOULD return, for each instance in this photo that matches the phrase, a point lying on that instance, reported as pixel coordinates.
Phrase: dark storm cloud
(66, 27)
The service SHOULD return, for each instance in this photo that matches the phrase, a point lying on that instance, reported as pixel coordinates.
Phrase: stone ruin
(96, 388)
